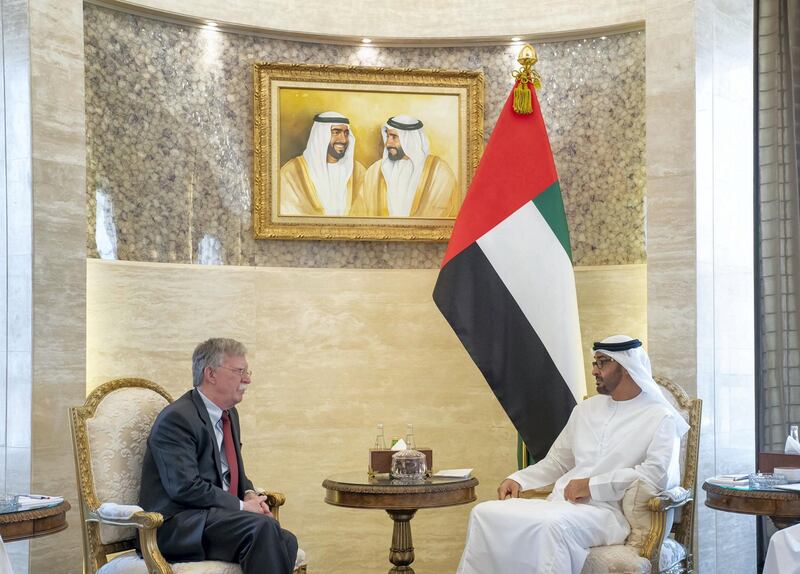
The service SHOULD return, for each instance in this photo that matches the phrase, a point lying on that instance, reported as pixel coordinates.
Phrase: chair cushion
(114, 511)
(672, 554)
(130, 563)
(117, 437)
(624, 559)
(634, 507)
(616, 559)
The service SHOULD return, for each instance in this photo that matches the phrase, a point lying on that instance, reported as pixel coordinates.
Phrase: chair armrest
(672, 498)
(659, 505)
(542, 492)
(124, 515)
(146, 523)
(274, 500)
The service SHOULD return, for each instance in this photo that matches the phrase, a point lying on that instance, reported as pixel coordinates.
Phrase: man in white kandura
(409, 181)
(783, 555)
(627, 432)
(325, 179)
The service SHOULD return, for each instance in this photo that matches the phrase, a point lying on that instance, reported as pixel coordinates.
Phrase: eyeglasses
(600, 363)
(241, 372)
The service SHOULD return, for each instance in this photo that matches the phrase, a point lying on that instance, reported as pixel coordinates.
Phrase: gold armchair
(662, 524)
(109, 435)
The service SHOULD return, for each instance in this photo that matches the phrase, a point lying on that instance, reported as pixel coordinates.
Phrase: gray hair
(210, 354)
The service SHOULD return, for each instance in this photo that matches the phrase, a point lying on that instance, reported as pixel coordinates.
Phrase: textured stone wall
(169, 124)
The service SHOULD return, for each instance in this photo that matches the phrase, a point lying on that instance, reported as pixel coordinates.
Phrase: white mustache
(242, 388)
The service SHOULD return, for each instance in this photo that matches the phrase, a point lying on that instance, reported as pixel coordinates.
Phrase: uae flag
(506, 285)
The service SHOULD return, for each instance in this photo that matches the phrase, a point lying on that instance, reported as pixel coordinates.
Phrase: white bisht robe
(5, 562)
(614, 443)
(783, 555)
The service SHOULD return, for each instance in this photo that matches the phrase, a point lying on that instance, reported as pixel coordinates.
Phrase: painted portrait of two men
(360, 153)
(407, 180)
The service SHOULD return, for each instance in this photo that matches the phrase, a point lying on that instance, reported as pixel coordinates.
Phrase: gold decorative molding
(266, 224)
(694, 407)
(684, 530)
(94, 550)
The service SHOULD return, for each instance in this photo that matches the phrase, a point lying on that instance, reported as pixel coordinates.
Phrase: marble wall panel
(597, 287)
(59, 271)
(671, 219)
(350, 349)
(168, 116)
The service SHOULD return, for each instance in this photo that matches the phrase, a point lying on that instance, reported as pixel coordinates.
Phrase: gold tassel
(523, 97)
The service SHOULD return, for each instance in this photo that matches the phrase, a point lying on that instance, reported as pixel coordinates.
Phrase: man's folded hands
(256, 503)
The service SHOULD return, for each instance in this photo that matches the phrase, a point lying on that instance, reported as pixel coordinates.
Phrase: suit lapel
(203, 411)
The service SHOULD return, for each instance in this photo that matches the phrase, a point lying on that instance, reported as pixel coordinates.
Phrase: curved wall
(336, 350)
(169, 116)
(412, 20)
(59, 304)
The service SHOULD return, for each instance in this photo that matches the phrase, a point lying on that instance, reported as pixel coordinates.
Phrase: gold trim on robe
(298, 194)
(437, 193)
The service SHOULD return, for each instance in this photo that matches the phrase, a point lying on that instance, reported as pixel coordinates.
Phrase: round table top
(358, 490)
(32, 523)
(778, 503)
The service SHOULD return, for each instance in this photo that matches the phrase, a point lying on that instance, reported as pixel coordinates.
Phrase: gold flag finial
(523, 103)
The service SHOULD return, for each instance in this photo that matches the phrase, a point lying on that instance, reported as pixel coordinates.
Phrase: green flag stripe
(551, 206)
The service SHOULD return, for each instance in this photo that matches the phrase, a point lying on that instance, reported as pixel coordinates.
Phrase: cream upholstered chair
(661, 536)
(109, 435)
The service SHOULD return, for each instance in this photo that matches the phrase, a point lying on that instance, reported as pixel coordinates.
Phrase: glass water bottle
(380, 442)
(411, 444)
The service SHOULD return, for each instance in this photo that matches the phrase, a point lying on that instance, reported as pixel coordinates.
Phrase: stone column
(43, 248)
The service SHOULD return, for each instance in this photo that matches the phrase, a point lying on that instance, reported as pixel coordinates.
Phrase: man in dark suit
(193, 473)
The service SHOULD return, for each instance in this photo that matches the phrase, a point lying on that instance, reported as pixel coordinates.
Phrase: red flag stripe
(505, 180)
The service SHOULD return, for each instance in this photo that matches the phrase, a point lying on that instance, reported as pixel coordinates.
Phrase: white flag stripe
(536, 270)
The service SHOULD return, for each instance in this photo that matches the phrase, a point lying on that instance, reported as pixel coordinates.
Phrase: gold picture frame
(289, 156)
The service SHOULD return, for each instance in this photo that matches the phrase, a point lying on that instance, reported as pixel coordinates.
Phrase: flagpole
(507, 283)
(523, 104)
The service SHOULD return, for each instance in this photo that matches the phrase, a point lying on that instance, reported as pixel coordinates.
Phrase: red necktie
(230, 454)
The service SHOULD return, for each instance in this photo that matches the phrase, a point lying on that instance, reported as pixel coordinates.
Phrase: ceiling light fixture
(516, 39)
(366, 41)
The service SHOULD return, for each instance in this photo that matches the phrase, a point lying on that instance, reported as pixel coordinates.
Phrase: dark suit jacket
(182, 475)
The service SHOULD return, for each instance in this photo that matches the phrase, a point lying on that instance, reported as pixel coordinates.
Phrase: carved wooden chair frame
(659, 505)
(146, 523)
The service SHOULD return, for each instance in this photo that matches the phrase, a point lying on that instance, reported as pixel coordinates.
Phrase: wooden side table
(32, 523)
(401, 501)
(782, 506)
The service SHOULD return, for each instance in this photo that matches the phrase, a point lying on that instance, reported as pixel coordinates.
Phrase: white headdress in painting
(330, 179)
(403, 176)
(629, 353)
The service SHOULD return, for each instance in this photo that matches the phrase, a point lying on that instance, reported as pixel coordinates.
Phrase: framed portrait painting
(346, 152)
